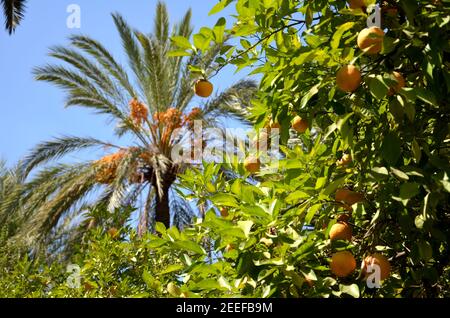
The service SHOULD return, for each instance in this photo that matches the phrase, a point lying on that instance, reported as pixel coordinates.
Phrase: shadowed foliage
(13, 10)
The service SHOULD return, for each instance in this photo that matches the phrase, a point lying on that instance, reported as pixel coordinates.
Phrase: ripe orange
(400, 83)
(356, 4)
(224, 212)
(348, 78)
(203, 88)
(252, 164)
(341, 231)
(349, 197)
(345, 160)
(370, 40)
(299, 124)
(380, 260)
(342, 263)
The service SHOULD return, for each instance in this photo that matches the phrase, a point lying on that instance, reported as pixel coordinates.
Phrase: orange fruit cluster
(138, 112)
(171, 118)
(108, 167)
(196, 113)
(143, 161)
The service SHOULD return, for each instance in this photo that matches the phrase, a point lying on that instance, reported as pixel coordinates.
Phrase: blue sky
(30, 111)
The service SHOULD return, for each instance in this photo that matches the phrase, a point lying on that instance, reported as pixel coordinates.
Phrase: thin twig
(298, 22)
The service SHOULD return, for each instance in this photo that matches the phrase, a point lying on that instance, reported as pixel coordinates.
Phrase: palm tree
(9, 181)
(148, 102)
(13, 10)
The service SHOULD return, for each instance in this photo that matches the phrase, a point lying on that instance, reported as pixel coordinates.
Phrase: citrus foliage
(392, 121)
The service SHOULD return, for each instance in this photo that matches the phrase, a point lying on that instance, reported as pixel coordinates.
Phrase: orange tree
(371, 169)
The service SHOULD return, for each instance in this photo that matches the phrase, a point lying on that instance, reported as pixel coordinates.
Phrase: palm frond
(154, 70)
(62, 193)
(234, 101)
(161, 27)
(81, 92)
(105, 59)
(184, 28)
(87, 68)
(134, 54)
(14, 11)
(119, 187)
(57, 148)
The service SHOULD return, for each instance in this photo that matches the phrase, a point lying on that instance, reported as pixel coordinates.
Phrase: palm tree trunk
(162, 207)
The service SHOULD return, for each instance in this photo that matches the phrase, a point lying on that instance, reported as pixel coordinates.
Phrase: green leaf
(196, 70)
(224, 199)
(304, 250)
(311, 212)
(445, 182)
(201, 42)
(425, 250)
(380, 172)
(339, 32)
(189, 246)
(426, 96)
(156, 242)
(245, 226)
(207, 284)
(417, 152)
(378, 88)
(296, 196)
(172, 268)
(391, 149)
(352, 290)
(181, 42)
(178, 53)
(419, 221)
(346, 130)
(313, 91)
(256, 211)
(334, 185)
(160, 228)
(321, 182)
(219, 30)
(408, 191)
(400, 174)
(219, 6)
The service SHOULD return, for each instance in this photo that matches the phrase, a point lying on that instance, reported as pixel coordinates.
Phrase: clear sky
(32, 111)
